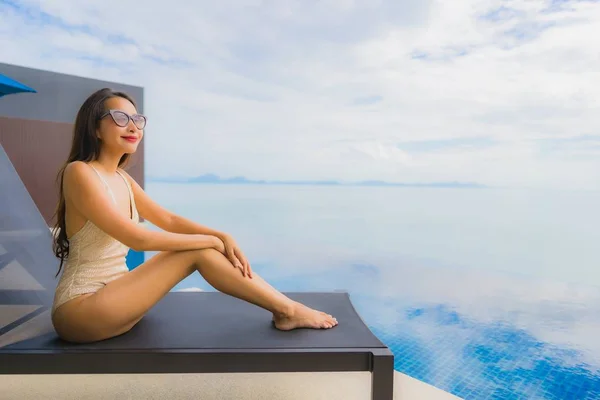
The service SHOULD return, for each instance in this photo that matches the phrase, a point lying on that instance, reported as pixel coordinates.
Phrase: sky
(497, 92)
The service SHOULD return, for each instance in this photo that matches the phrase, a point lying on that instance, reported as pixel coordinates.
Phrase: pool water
(486, 293)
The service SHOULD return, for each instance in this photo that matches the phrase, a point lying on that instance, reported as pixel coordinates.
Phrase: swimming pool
(481, 293)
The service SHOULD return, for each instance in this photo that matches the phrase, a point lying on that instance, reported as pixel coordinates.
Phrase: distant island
(240, 180)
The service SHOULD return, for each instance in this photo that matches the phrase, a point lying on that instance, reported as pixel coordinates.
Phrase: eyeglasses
(122, 119)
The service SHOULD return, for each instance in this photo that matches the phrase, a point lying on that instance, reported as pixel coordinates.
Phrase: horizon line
(241, 180)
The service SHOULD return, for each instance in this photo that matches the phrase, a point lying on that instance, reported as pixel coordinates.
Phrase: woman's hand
(219, 245)
(235, 255)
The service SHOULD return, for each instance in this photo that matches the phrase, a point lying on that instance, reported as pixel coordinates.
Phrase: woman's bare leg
(122, 303)
(287, 314)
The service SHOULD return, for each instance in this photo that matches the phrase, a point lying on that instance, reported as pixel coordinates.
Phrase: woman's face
(121, 129)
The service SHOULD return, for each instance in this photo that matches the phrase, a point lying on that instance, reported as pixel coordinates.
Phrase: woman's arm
(85, 192)
(165, 219)
(177, 224)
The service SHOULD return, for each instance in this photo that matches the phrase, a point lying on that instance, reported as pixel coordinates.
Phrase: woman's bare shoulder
(76, 167)
(75, 171)
(78, 177)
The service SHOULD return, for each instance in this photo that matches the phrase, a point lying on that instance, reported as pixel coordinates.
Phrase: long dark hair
(85, 146)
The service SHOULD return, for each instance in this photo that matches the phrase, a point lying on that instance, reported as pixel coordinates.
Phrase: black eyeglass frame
(129, 118)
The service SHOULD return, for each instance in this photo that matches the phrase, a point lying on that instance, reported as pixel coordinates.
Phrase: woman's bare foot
(302, 316)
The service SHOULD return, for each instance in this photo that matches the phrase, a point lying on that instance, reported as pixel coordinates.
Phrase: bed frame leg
(382, 378)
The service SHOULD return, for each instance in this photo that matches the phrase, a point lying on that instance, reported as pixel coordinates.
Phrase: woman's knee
(204, 255)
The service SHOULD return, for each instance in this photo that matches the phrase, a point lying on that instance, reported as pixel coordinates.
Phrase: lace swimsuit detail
(95, 258)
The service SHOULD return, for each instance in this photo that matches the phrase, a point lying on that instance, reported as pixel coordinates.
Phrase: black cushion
(213, 320)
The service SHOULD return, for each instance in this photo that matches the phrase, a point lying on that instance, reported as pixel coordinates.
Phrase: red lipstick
(131, 139)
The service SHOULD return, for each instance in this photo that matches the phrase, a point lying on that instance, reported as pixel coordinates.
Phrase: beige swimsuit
(95, 258)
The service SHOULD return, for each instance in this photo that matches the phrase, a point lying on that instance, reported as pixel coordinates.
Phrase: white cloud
(273, 89)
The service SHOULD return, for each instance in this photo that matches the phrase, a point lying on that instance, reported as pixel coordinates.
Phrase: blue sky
(500, 92)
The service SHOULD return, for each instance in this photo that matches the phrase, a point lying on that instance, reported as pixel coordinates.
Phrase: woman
(97, 297)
